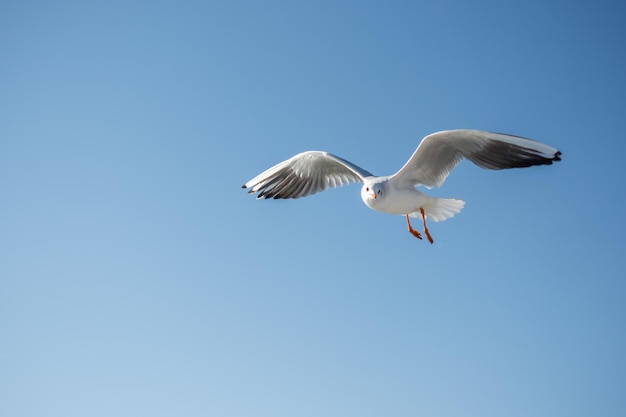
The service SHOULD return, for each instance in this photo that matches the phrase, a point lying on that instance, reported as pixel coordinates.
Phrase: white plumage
(436, 156)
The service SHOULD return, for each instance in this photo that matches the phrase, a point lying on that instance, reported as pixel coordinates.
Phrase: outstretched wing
(440, 152)
(305, 174)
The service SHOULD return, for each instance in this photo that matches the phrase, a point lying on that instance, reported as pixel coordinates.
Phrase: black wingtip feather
(499, 155)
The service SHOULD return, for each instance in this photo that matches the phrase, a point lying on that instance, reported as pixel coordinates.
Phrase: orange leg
(430, 239)
(411, 230)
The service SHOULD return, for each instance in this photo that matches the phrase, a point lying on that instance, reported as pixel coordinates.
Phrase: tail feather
(439, 209)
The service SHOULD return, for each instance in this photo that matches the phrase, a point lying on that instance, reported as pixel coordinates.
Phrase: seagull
(436, 156)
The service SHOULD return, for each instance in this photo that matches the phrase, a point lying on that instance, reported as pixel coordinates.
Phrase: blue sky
(137, 278)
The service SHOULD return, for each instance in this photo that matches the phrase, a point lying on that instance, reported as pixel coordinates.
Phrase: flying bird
(437, 154)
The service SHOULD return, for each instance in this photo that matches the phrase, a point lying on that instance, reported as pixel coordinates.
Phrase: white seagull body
(313, 171)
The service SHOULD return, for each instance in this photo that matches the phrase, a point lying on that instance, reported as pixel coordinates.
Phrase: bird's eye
(378, 192)
(367, 188)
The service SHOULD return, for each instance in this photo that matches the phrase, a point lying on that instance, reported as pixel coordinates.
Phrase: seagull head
(370, 192)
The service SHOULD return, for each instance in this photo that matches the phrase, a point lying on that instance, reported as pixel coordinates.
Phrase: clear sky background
(138, 279)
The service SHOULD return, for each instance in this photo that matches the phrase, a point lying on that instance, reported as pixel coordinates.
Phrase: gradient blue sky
(138, 279)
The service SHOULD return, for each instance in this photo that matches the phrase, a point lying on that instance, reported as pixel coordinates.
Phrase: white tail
(439, 209)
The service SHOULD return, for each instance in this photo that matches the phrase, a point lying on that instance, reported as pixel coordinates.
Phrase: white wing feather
(438, 154)
(305, 174)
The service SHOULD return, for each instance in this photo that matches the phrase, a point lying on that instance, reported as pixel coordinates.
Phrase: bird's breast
(398, 201)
